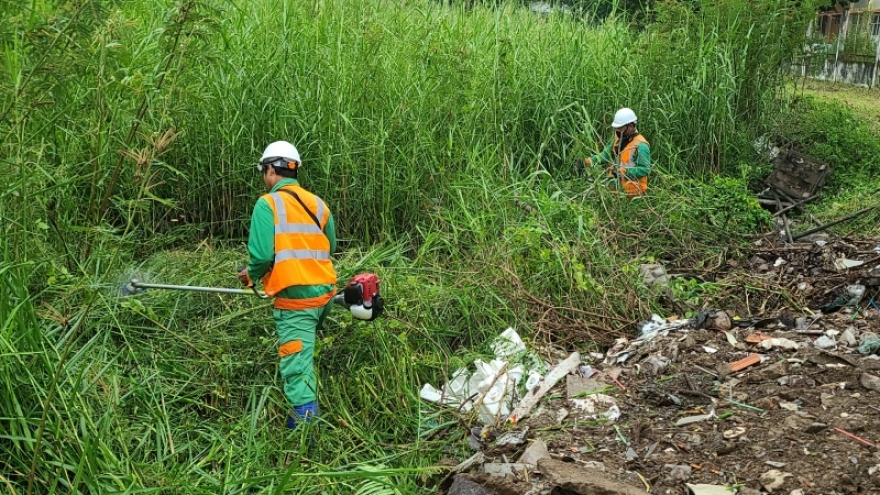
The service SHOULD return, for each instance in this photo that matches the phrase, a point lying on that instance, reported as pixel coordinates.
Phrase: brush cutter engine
(362, 297)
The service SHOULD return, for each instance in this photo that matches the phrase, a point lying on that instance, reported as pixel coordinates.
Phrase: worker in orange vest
(292, 236)
(629, 155)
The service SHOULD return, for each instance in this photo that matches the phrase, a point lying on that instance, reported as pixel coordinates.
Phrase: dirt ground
(804, 420)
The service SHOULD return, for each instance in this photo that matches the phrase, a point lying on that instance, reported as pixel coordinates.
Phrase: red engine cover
(367, 284)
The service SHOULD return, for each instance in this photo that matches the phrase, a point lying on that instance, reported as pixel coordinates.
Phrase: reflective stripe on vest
(302, 251)
(627, 157)
(301, 254)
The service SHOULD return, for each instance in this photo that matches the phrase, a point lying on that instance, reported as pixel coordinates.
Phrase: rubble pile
(723, 402)
(806, 275)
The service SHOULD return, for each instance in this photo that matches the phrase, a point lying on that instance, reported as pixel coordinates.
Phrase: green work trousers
(298, 369)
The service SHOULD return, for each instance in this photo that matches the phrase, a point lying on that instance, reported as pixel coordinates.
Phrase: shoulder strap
(296, 197)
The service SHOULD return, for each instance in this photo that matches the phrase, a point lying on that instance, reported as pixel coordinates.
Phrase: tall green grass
(442, 138)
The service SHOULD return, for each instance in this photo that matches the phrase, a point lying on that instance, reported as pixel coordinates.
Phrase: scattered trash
(508, 345)
(844, 264)
(576, 385)
(848, 337)
(708, 490)
(780, 343)
(857, 439)
(513, 438)
(678, 472)
(503, 468)
(491, 388)
(731, 339)
(851, 296)
(654, 364)
(802, 394)
(744, 362)
(870, 382)
(587, 371)
(597, 406)
(694, 419)
(734, 432)
(825, 342)
(580, 480)
(773, 479)
(531, 399)
(534, 453)
(561, 414)
(757, 338)
(816, 428)
(631, 454)
(870, 343)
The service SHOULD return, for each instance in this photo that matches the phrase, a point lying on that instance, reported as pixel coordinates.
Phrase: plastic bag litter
(493, 384)
(870, 346)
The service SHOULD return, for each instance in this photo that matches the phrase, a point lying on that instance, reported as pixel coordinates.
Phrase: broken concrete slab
(503, 468)
(578, 385)
(870, 382)
(534, 453)
(582, 481)
(773, 479)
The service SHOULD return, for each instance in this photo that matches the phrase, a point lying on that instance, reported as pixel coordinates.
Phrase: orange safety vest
(302, 251)
(627, 159)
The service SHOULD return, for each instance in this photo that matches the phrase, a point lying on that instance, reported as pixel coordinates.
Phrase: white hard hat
(622, 117)
(280, 150)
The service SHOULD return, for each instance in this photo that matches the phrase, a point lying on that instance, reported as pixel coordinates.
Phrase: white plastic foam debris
(429, 393)
(597, 406)
(492, 386)
(779, 343)
(844, 264)
(533, 380)
(508, 345)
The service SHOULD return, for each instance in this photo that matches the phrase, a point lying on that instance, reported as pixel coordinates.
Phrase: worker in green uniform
(628, 157)
(292, 236)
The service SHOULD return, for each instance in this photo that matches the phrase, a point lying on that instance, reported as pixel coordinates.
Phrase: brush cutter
(361, 295)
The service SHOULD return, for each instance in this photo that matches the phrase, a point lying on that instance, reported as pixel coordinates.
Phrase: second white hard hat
(623, 117)
(281, 149)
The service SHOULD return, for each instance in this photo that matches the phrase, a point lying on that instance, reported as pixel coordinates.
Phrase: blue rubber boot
(306, 412)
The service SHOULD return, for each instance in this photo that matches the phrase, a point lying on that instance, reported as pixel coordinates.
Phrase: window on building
(875, 25)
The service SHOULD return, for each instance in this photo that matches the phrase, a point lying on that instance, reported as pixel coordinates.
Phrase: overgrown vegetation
(440, 135)
(830, 130)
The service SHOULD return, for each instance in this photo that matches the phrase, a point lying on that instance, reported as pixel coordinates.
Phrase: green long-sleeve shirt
(261, 247)
(643, 160)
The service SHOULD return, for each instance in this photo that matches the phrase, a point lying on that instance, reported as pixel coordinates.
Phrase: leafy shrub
(829, 131)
